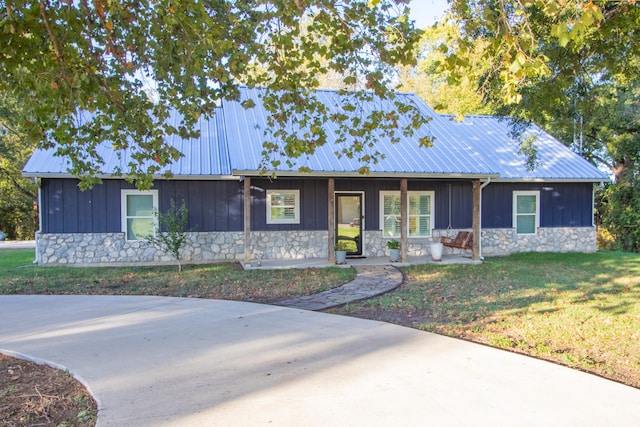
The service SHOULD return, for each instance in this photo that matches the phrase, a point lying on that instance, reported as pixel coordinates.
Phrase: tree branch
(17, 185)
(53, 37)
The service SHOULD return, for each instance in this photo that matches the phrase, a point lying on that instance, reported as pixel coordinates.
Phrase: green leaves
(517, 35)
(129, 64)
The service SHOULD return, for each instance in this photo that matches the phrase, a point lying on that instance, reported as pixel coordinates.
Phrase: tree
(18, 195)
(432, 81)
(171, 233)
(555, 61)
(574, 68)
(101, 72)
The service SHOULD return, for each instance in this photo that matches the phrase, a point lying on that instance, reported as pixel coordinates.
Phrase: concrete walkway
(157, 361)
(371, 281)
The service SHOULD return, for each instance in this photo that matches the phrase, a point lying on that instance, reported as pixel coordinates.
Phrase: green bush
(619, 213)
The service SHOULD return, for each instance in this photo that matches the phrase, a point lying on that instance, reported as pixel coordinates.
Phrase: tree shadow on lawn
(516, 285)
(581, 310)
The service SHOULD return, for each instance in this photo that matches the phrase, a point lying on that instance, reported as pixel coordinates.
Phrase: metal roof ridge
(336, 91)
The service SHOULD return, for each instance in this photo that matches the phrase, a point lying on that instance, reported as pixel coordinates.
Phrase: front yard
(581, 310)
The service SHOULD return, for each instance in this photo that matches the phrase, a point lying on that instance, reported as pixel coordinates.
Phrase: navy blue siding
(218, 205)
(213, 205)
(371, 188)
(67, 209)
(561, 204)
(459, 192)
(313, 203)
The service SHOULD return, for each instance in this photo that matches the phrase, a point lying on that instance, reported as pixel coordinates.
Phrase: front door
(349, 221)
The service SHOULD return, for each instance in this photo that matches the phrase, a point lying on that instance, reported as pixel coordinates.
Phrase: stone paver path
(371, 281)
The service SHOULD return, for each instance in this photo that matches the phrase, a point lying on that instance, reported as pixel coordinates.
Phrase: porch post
(247, 220)
(476, 220)
(404, 220)
(331, 217)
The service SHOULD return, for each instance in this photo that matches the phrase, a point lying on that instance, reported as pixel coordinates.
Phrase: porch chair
(463, 240)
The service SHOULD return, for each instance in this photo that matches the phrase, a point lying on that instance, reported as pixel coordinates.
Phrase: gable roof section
(204, 157)
(245, 133)
(491, 141)
(230, 143)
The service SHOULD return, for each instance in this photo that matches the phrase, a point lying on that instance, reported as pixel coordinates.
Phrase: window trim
(430, 193)
(516, 214)
(123, 210)
(296, 213)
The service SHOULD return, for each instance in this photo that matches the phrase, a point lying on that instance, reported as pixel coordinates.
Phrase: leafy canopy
(101, 71)
(432, 81)
(18, 218)
(573, 66)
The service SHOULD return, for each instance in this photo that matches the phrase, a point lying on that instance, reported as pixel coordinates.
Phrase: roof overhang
(556, 180)
(333, 174)
(155, 177)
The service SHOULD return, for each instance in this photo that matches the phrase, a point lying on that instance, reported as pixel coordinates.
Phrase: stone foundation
(505, 241)
(288, 244)
(375, 245)
(112, 248)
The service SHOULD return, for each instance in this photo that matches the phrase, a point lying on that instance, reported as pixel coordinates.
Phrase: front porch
(275, 264)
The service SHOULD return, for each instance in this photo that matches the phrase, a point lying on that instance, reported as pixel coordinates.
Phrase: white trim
(431, 194)
(515, 211)
(123, 209)
(296, 206)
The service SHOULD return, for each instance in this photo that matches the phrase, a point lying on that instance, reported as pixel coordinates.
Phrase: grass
(581, 310)
(228, 281)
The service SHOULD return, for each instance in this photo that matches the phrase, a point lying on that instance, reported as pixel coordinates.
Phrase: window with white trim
(420, 211)
(139, 213)
(526, 211)
(283, 206)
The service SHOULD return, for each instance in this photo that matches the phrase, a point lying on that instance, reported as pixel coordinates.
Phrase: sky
(427, 12)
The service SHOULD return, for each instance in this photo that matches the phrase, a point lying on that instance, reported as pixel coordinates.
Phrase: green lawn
(18, 275)
(582, 310)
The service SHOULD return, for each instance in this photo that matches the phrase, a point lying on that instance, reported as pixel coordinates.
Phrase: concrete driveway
(154, 361)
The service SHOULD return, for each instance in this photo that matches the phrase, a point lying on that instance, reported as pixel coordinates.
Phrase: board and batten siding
(561, 204)
(212, 205)
(459, 192)
(218, 205)
(313, 203)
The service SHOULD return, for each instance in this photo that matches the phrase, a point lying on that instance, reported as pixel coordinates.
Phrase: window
(526, 206)
(390, 213)
(420, 211)
(283, 206)
(138, 213)
(420, 214)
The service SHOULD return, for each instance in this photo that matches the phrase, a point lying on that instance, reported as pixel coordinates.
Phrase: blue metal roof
(405, 157)
(230, 143)
(206, 156)
(491, 141)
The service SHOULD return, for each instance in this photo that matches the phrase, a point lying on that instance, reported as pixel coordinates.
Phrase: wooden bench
(463, 240)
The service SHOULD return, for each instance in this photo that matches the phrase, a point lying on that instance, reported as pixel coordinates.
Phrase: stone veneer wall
(505, 241)
(110, 248)
(496, 242)
(375, 245)
(288, 244)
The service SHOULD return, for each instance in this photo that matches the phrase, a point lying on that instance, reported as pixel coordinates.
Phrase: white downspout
(484, 184)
